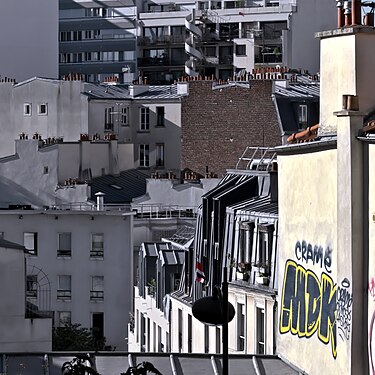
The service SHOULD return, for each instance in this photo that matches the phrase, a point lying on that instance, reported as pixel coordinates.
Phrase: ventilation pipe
(356, 12)
(347, 13)
(99, 201)
(340, 13)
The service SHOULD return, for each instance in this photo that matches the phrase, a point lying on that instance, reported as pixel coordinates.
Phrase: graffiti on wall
(371, 289)
(312, 304)
(344, 309)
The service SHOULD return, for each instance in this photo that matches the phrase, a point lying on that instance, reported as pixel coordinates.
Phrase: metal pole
(225, 322)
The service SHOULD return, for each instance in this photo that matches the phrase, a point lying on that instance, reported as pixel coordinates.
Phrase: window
(45, 170)
(27, 109)
(43, 109)
(302, 115)
(64, 287)
(160, 112)
(241, 50)
(97, 325)
(160, 155)
(97, 245)
(63, 318)
(97, 288)
(265, 245)
(206, 338)
(240, 327)
(30, 241)
(260, 344)
(64, 244)
(32, 286)
(190, 334)
(180, 325)
(218, 340)
(124, 116)
(108, 118)
(145, 118)
(144, 157)
(245, 242)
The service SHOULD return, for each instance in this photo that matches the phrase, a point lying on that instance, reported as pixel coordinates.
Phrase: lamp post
(217, 310)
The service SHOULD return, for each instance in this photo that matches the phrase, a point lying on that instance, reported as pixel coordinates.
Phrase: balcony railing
(96, 253)
(64, 294)
(96, 295)
(164, 211)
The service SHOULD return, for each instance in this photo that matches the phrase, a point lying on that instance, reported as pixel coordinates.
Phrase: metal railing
(164, 211)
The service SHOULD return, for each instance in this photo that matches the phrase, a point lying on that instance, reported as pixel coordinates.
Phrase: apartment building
(228, 38)
(244, 236)
(326, 256)
(97, 39)
(29, 47)
(78, 266)
(148, 117)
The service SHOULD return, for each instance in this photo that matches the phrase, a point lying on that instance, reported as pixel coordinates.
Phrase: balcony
(153, 61)
(226, 60)
(164, 39)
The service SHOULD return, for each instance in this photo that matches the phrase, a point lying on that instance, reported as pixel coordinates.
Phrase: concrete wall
(351, 56)
(311, 16)
(18, 334)
(115, 266)
(29, 39)
(309, 248)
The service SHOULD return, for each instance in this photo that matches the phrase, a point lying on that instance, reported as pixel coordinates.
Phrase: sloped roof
(121, 91)
(122, 188)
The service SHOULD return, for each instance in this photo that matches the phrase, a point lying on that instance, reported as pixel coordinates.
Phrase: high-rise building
(97, 39)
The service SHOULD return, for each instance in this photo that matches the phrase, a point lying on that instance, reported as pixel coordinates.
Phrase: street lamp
(217, 310)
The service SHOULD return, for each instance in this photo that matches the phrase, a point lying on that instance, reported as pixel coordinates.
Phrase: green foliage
(142, 369)
(82, 364)
(73, 337)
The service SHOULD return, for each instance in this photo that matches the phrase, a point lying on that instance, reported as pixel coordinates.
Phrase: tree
(73, 337)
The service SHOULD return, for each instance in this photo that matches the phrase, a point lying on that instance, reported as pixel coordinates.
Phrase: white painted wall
(18, 334)
(29, 39)
(116, 266)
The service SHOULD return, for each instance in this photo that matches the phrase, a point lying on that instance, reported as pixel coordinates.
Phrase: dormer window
(302, 116)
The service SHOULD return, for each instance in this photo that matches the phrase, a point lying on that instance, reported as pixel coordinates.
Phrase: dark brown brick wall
(217, 125)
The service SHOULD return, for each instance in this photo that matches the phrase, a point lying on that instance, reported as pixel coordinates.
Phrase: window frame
(241, 326)
(260, 329)
(27, 109)
(60, 321)
(160, 116)
(124, 115)
(109, 119)
(45, 112)
(99, 252)
(64, 293)
(302, 115)
(34, 250)
(32, 280)
(64, 252)
(97, 288)
(160, 155)
(144, 155)
(144, 124)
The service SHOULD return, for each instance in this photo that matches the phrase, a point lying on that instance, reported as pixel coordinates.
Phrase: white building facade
(79, 266)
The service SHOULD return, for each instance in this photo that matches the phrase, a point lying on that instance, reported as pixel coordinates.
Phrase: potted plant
(142, 369)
